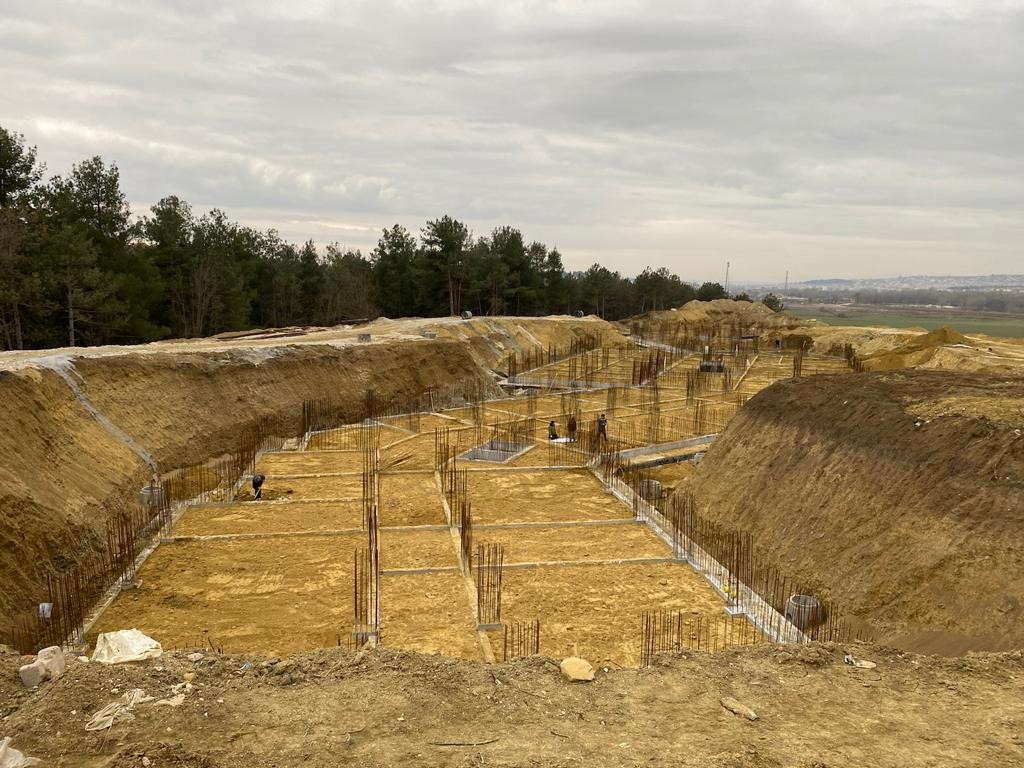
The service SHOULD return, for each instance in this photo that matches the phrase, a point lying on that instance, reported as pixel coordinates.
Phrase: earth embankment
(898, 495)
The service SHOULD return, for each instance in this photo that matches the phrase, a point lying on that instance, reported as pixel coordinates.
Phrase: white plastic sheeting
(12, 758)
(125, 645)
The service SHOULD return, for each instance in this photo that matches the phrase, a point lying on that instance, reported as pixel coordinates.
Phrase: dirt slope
(883, 349)
(702, 313)
(63, 474)
(389, 708)
(900, 495)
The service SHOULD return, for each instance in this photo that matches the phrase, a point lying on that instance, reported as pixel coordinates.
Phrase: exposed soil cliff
(900, 495)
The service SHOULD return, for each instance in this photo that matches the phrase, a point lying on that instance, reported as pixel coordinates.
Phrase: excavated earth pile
(898, 495)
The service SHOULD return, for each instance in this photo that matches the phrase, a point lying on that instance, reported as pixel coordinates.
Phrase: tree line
(77, 268)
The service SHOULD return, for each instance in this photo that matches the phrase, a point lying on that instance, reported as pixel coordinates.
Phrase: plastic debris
(125, 645)
(174, 701)
(858, 663)
(12, 758)
(117, 711)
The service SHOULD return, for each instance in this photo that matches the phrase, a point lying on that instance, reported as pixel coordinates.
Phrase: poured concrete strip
(744, 374)
(293, 534)
(572, 563)
(501, 468)
(419, 571)
(274, 502)
(658, 460)
(558, 524)
(467, 579)
(307, 475)
(675, 445)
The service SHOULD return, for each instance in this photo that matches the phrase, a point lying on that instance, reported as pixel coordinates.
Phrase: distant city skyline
(869, 139)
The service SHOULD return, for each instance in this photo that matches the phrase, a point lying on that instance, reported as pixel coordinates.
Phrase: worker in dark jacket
(257, 486)
(552, 431)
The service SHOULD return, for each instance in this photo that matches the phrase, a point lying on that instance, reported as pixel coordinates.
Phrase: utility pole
(727, 278)
(786, 289)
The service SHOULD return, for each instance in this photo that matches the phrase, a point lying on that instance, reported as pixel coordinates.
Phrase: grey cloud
(831, 138)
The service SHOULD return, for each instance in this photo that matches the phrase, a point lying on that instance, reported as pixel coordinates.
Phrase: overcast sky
(831, 139)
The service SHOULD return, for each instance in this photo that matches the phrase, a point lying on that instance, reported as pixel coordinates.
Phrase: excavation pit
(276, 576)
(497, 451)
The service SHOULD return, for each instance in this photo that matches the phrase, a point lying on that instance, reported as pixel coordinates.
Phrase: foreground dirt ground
(386, 707)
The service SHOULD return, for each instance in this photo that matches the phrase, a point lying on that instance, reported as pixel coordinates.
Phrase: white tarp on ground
(118, 711)
(125, 645)
(12, 758)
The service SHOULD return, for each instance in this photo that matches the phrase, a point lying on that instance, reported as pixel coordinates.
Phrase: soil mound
(709, 313)
(385, 708)
(918, 351)
(719, 309)
(897, 495)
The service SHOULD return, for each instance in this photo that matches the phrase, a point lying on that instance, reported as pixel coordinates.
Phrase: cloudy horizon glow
(824, 138)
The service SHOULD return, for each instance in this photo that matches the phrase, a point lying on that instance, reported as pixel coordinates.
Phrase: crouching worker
(552, 432)
(257, 486)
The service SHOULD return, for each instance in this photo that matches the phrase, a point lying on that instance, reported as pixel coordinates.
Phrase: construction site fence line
(758, 611)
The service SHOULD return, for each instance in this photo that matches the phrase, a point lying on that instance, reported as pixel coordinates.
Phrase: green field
(902, 317)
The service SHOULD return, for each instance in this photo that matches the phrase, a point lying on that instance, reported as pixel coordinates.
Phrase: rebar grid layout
(67, 594)
(218, 480)
(780, 607)
(521, 639)
(604, 367)
(370, 444)
(324, 418)
(730, 336)
(366, 587)
(520, 362)
(676, 631)
(70, 593)
(466, 534)
(490, 562)
(508, 436)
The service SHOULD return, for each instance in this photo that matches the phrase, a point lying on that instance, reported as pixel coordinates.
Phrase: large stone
(53, 657)
(577, 669)
(33, 674)
(738, 708)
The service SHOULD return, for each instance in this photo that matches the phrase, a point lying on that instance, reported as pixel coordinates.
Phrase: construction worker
(552, 431)
(570, 427)
(602, 427)
(257, 486)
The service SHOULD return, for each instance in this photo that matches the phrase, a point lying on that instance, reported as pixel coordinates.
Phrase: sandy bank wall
(899, 495)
